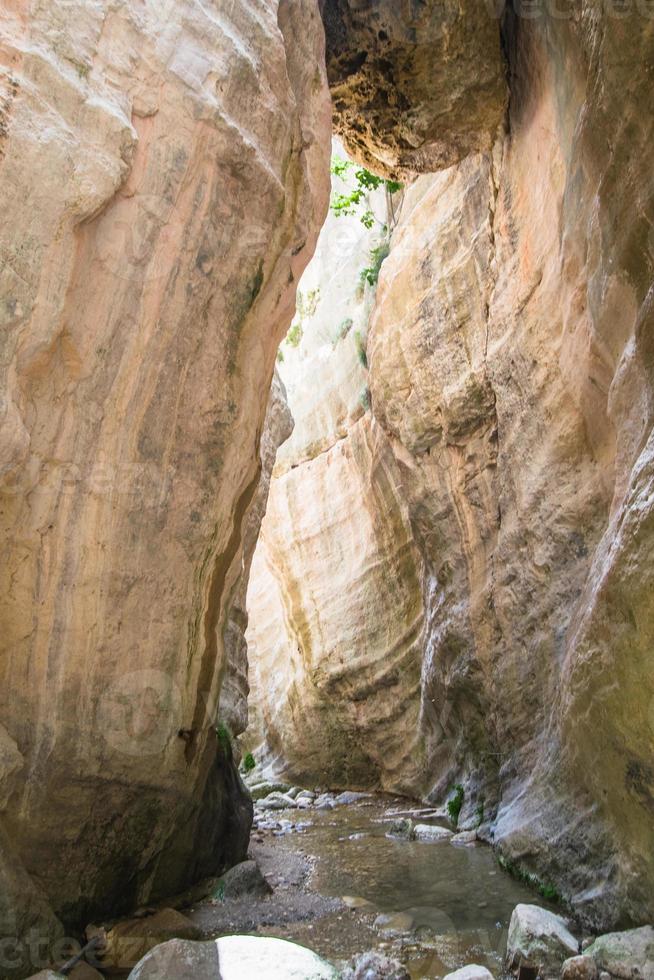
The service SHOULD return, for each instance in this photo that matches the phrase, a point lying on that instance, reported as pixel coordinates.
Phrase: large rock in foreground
(539, 939)
(416, 87)
(233, 958)
(627, 955)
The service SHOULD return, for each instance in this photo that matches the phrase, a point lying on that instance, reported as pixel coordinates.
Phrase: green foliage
(455, 803)
(307, 305)
(344, 329)
(352, 202)
(249, 762)
(547, 891)
(361, 350)
(364, 399)
(224, 736)
(280, 356)
(295, 334)
(378, 254)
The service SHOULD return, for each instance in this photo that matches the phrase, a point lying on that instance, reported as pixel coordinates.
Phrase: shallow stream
(446, 904)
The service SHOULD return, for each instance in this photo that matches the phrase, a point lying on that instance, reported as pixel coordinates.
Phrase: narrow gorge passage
(327, 512)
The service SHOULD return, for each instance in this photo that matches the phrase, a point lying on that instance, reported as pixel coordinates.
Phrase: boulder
(23, 907)
(403, 829)
(472, 972)
(356, 902)
(464, 837)
(429, 832)
(84, 971)
(628, 955)
(415, 86)
(233, 958)
(276, 801)
(540, 939)
(374, 966)
(394, 923)
(128, 941)
(243, 879)
(579, 968)
(343, 799)
(258, 791)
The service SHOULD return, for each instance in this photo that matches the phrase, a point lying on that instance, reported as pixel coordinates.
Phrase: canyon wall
(163, 176)
(334, 634)
(510, 377)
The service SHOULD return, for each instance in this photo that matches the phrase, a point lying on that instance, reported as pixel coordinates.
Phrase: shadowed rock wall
(163, 176)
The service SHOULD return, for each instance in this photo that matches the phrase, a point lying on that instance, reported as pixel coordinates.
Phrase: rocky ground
(424, 915)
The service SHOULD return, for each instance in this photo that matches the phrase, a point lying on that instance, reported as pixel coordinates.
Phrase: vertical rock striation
(163, 175)
(509, 366)
(510, 375)
(233, 707)
(334, 636)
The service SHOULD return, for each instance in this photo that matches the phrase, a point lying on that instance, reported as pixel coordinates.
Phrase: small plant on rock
(294, 335)
(355, 202)
(224, 737)
(361, 350)
(343, 330)
(378, 254)
(455, 803)
(249, 762)
(546, 890)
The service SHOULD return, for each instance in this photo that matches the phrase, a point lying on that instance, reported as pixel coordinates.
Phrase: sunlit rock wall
(334, 597)
(163, 176)
(510, 366)
(510, 374)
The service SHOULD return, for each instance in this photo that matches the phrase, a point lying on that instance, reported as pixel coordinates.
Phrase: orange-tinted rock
(164, 177)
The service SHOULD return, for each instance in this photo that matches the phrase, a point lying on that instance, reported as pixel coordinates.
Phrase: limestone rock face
(416, 86)
(278, 426)
(510, 367)
(163, 175)
(334, 639)
(510, 377)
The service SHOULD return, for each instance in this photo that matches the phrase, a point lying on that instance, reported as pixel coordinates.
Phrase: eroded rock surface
(233, 708)
(334, 642)
(510, 324)
(510, 374)
(416, 86)
(163, 178)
